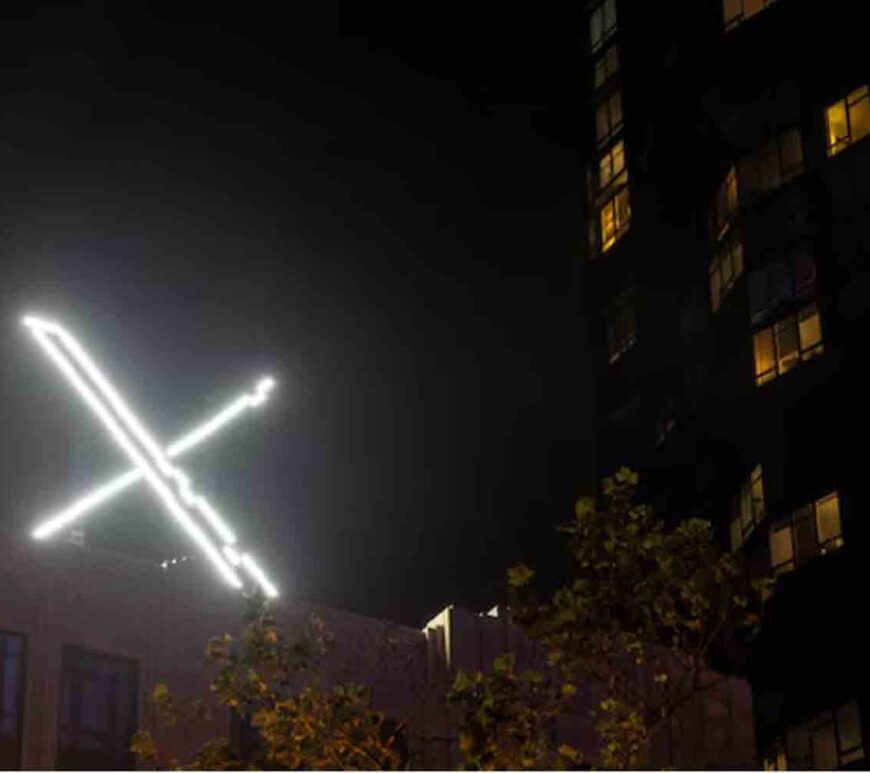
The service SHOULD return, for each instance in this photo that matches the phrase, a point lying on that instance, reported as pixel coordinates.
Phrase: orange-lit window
(602, 23)
(848, 120)
(606, 66)
(788, 342)
(748, 508)
(608, 118)
(725, 269)
(736, 11)
(813, 530)
(726, 204)
(621, 327)
(611, 167)
(614, 217)
(829, 741)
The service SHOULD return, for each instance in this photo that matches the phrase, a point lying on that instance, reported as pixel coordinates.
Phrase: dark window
(602, 23)
(737, 11)
(780, 282)
(776, 164)
(606, 66)
(97, 712)
(12, 651)
(826, 742)
(621, 327)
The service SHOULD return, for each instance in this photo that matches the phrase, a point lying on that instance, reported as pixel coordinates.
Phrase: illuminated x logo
(193, 512)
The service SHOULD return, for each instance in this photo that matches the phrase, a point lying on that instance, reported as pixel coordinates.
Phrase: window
(848, 120)
(614, 218)
(748, 508)
(606, 66)
(725, 269)
(611, 167)
(827, 742)
(608, 118)
(780, 282)
(726, 204)
(97, 712)
(665, 423)
(736, 11)
(12, 652)
(812, 530)
(777, 163)
(621, 328)
(602, 23)
(782, 346)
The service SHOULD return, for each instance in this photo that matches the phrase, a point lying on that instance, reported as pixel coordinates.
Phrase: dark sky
(378, 205)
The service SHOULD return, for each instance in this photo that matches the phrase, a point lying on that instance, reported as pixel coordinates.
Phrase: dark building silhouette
(728, 188)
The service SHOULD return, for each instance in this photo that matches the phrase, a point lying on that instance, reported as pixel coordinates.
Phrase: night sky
(380, 206)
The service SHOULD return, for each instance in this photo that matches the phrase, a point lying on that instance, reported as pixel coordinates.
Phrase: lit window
(813, 530)
(726, 203)
(621, 328)
(748, 508)
(789, 341)
(11, 699)
(608, 118)
(736, 11)
(829, 741)
(614, 218)
(602, 22)
(97, 711)
(611, 167)
(848, 120)
(725, 269)
(606, 66)
(780, 282)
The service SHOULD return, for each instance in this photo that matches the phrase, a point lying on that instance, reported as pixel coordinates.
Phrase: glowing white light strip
(178, 447)
(41, 331)
(257, 573)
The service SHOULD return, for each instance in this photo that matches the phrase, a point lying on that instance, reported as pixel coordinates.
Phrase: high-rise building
(728, 147)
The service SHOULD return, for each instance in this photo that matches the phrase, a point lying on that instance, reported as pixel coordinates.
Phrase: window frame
(724, 211)
(777, 332)
(617, 178)
(848, 103)
(622, 318)
(607, 32)
(613, 129)
(730, 252)
(791, 524)
(76, 656)
(620, 227)
(18, 714)
(741, 16)
(779, 759)
(607, 66)
(748, 507)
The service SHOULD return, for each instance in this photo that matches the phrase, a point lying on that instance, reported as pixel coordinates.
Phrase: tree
(643, 613)
(273, 686)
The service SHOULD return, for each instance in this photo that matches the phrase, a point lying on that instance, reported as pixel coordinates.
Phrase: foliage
(645, 608)
(272, 684)
(505, 722)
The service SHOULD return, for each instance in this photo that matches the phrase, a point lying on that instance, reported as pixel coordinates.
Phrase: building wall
(698, 97)
(58, 594)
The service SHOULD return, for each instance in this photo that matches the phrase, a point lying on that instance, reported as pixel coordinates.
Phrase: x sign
(192, 511)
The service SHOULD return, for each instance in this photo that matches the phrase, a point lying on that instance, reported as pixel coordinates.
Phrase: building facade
(85, 634)
(728, 153)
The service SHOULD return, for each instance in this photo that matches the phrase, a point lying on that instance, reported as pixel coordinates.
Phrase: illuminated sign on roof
(193, 512)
